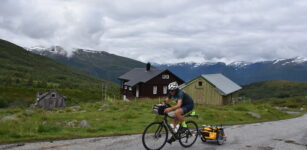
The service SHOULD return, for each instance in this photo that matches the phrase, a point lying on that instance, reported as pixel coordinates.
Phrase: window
(154, 90)
(165, 76)
(130, 88)
(200, 83)
(52, 95)
(125, 87)
(164, 89)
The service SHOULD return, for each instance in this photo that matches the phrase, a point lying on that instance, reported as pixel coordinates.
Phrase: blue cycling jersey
(186, 99)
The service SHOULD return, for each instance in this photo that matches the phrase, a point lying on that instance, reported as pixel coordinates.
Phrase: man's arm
(166, 100)
(178, 105)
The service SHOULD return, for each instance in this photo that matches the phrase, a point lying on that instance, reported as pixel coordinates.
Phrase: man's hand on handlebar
(166, 110)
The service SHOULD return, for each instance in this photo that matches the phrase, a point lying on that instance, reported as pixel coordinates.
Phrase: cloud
(162, 31)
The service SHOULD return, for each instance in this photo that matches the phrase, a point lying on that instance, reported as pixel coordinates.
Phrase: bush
(283, 95)
(3, 103)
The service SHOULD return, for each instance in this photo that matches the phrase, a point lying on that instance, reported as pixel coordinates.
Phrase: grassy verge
(24, 96)
(118, 118)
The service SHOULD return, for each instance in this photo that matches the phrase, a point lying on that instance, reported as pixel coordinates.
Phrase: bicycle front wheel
(154, 136)
(189, 135)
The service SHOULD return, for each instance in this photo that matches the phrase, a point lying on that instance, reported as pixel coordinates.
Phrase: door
(137, 91)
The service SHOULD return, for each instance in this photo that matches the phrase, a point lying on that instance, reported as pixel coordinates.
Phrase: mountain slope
(276, 88)
(23, 73)
(294, 69)
(96, 63)
(19, 63)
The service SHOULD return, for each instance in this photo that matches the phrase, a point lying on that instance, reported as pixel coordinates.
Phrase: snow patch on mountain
(239, 64)
(299, 60)
(190, 64)
(90, 51)
(41, 50)
(278, 60)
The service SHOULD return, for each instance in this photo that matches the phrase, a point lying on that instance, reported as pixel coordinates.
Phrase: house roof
(138, 75)
(224, 85)
(43, 95)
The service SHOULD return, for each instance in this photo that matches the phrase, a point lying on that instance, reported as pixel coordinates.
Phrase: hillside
(274, 89)
(24, 73)
(294, 69)
(96, 63)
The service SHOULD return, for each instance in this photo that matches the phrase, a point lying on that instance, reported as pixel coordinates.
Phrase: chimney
(148, 66)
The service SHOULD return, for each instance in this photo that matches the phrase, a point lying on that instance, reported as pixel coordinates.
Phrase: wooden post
(105, 90)
(102, 91)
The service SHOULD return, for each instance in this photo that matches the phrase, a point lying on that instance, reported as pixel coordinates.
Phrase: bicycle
(155, 134)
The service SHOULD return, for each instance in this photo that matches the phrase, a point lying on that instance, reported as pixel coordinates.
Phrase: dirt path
(288, 134)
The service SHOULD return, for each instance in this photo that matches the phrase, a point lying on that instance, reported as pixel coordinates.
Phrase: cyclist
(184, 105)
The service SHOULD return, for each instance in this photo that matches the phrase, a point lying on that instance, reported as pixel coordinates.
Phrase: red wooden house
(147, 82)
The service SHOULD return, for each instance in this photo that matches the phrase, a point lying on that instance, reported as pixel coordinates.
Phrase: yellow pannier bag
(213, 133)
(209, 133)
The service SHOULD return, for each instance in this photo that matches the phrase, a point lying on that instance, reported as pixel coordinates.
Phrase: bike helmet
(173, 86)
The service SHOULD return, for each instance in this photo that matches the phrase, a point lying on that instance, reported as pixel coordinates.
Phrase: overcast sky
(162, 31)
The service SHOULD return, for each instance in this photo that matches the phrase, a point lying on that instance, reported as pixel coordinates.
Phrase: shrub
(47, 128)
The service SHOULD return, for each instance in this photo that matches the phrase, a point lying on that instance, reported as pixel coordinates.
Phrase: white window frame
(155, 90)
(130, 88)
(165, 76)
(164, 89)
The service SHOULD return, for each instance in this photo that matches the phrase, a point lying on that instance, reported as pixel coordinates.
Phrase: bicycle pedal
(171, 140)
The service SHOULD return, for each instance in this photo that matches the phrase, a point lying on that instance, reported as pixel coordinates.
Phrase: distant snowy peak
(292, 61)
(58, 50)
(191, 64)
(283, 62)
(36, 48)
(299, 60)
(238, 65)
(278, 61)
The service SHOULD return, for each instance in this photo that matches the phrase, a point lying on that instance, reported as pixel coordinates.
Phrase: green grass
(118, 119)
(291, 102)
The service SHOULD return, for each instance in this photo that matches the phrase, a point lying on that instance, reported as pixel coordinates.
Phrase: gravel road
(288, 134)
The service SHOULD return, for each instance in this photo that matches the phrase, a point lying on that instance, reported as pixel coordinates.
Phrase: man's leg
(178, 116)
(178, 119)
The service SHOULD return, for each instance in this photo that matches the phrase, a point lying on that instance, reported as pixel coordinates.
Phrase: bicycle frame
(165, 122)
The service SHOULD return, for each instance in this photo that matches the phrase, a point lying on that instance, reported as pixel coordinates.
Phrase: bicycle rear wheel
(154, 136)
(220, 137)
(188, 137)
